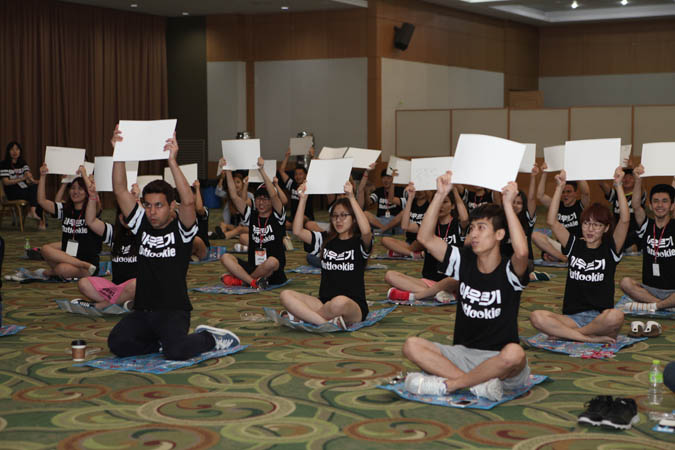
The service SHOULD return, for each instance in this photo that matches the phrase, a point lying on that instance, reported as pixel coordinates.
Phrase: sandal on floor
(637, 329)
(652, 329)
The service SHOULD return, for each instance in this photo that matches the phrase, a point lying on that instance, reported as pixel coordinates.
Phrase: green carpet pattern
(292, 389)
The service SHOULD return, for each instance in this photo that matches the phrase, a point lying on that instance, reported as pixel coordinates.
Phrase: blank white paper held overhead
(332, 153)
(190, 171)
(625, 154)
(270, 169)
(592, 159)
(486, 161)
(328, 176)
(424, 171)
(658, 159)
(402, 167)
(64, 160)
(89, 167)
(241, 154)
(362, 157)
(144, 140)
(144, 180)
(300, 146)
(555, 158)
(132, 173)
(528, 158)
(103, 173)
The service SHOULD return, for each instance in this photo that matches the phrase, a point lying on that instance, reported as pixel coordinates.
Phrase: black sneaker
(622, 415)
(597, 409)
(218, 233)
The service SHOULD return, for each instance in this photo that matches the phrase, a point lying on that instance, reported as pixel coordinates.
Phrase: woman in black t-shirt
(80, 247)
(411, 218)
(124, 254)
(344, 252)
(588, 313)
(450, 227)
(18, 181)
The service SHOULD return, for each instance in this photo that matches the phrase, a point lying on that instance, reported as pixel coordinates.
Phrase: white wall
(413, 85)
(607, 90)
(226, 103)
(327, 97)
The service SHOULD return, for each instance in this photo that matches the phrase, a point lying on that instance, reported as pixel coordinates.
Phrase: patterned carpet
(292, 389)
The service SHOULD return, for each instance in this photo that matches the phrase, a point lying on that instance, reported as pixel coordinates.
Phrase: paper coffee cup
(79, 349)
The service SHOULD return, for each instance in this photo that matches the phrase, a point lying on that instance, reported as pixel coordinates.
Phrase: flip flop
(637, 329)
(652, 329)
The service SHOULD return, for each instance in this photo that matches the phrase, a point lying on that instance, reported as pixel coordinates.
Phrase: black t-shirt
(473, 200)
(380, 198)
(267, 233)
(416, 216)
(570, 217)
(163, 260)
(124, 259)
(527, 223)
(663, 239)
(614, 200)
(203, 226)
(590, 276)
(292, 186)
(487, 309)
(74, 226)
(343, 263)
(9, 170)
(451, 233)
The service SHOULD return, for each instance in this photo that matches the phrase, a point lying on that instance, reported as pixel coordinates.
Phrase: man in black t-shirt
(266, 221)
(161, 315)
(569, 214)
(628, 188)
(657, 237)
(292, 184)
(486, 356)
(389, 200)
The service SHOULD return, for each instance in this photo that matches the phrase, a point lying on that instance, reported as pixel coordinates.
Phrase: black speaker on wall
(403, 35)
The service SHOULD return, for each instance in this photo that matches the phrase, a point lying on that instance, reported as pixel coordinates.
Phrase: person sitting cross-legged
(486, 356)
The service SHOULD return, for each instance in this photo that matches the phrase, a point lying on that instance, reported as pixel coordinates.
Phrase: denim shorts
(584, 318)
(661, 294)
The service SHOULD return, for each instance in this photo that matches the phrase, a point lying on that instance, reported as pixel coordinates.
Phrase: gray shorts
(466, 359)
(661, 294)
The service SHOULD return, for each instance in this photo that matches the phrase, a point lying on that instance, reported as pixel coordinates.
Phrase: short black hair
(160, 187)
(665, 188)
(627, 171)
(261, 191)
(303, 168)
(490, 211)
(572, 183)
(385, 174)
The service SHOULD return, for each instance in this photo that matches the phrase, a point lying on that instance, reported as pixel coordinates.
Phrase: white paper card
(328, 176)
(190, 171)
(103, 166)
(332, 153)
(270, 169)
(658, 159)
(486, 161)
(132, 173)
(528, 158)
(89, 167)
(592, 159)
(402, 167)
(362, 157)
(143, 180)
(424, 171)
(64, 160)
(144, 140)
(241, 154)
(554, 158)
(300, 146)
(625, 154)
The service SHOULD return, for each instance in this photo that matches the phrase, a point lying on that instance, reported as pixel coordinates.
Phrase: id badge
(71, 248)
(22, 185)
(655, 270)
(260, 256)
(387, 214)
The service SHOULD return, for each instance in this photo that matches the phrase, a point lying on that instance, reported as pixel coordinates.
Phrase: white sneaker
(338, 322)
(444, 297)
(83, 303)
(423, 384)
(491, 389)
(92, 269)
(224, 338)
(637, 306)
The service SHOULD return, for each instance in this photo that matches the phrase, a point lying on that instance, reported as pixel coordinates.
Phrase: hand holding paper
(241, 154)
(328, 176)
(444, 184)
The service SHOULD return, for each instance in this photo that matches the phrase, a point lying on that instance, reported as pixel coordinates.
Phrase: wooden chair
(15, 208)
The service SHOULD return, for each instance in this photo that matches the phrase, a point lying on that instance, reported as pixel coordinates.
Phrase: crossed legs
(638, 293)
(604, 328)
(311, 309)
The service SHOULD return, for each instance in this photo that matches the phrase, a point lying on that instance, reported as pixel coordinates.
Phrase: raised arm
(585, 192)
(94, 223)
(298, 220)
(125, 199)
(186, 209)
(274, 195)
(605, 188)
(638, 209)
(47, 205)
(60, 192)
(543, 198)
(516, 232)
(199, 201)
(282, 195)
(361, 190)
(239, 203)
(434, 244)
(406, 224)
(462, 212)
(622, 225)
(360, 216)
(559, 230)
(282, 168)
(391, 196)
(532, 191)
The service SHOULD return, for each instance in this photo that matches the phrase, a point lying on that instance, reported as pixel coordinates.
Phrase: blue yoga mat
(373, 317)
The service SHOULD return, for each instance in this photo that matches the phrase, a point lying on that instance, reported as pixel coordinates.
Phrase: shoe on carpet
(491, 389)
(230, 280)
(638, 306)
(393, 254)
(423, 384)
(398, 295)
(622, 415)
(218, 233)
(338, 322)
(128, 305)
(418, 255)
(260, 284)
(597, 409)
(224, 338)
(540, 276)
(92, 269)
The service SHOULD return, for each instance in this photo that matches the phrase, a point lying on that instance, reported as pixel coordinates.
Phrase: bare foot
(601, 339)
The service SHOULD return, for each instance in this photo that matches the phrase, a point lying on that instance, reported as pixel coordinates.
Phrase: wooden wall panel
(490, 121)
(653, 124)
(544, 127)
(226, 38)
(601, 123)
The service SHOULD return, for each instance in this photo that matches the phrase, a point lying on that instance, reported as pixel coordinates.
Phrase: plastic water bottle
(655, 394)
(26, 247)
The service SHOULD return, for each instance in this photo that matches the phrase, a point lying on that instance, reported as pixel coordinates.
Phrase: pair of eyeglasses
(592, 225)
(341, 216)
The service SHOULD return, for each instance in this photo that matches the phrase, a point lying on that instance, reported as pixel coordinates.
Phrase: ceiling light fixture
(134, 5)
(575, 5)
(624, 2)
(185, 13)
(284, 8)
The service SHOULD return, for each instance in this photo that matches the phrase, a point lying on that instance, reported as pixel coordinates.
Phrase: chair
(16, 208)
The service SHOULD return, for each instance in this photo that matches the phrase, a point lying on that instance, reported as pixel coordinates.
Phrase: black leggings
(29, 194)
(143, 332)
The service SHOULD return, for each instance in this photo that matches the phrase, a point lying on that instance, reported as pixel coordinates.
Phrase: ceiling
(536, 12)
